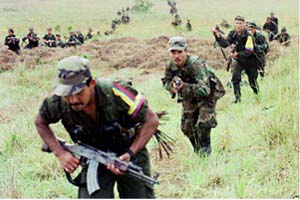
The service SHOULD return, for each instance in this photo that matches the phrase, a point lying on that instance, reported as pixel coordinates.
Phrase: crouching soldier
(198, 89)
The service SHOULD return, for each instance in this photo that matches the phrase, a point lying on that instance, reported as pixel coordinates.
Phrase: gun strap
(75, 181)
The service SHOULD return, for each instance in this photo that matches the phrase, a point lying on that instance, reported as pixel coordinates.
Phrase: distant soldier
(242, 56)
(73, 41)
(177, 21)
(49, 38)
(125, 19)
(283, 38)
(197, 88)
(60, 43)
(12, 41)
(90, 34)
(189, 25)
(271, 28)
(261, 47)
(32, 38)
(80, 37)
(225, 24)
(273, 18)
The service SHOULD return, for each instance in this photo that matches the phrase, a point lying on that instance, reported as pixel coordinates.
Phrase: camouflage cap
(240, 18)
(73, 72)
(283, 29)
(177, 43)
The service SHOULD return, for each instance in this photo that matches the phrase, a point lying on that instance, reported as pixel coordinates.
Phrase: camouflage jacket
(117, 104)
(193, 74)
(260, 43)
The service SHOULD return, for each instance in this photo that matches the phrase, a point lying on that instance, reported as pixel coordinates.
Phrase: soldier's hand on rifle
(177, 84)
(113, 169)
(233, 55)
(68, 162)
(215, 32)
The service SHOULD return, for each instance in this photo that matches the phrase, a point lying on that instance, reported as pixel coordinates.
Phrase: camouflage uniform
(197, 97)
(261, 48)
(245, 60)
(116, 103)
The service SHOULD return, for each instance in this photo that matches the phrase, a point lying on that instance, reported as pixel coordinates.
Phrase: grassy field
(255, 145)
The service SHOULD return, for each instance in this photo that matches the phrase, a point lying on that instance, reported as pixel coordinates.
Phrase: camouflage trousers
(127, 187)
(196, 123)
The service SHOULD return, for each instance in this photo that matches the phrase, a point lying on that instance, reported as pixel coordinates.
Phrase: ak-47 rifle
(93, 157)
(229, 61)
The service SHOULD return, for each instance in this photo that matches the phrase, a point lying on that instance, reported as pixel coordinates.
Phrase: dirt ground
(119, 53)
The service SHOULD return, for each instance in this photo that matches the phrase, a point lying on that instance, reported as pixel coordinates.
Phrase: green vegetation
(255, 145)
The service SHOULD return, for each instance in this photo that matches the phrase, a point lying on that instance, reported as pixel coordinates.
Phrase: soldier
(189, 25)
(177, 21)
(90, 34)
(73, 41)
(198, 88)
(60, 43)
(283, 38)
(271, 28)
(32, 38)
(273, 18)
(80, 37)
(96, 107)
(242, 55)
(49, 38)
(125, 19)
(12, 41)
(261, 47)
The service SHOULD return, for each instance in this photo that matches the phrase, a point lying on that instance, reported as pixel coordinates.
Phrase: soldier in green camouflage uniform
(197, 88)
(92, 111)
(261, 47)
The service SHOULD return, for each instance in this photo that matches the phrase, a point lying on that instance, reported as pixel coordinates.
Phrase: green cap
(73, 72)
(240, 18)
(177, 43)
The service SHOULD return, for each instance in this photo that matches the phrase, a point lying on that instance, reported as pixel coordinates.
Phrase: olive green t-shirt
(115, 102)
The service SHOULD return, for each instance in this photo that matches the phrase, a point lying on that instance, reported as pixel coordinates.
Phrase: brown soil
(120, 53)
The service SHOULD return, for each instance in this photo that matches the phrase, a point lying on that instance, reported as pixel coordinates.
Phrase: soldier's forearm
(146, 132)
(48, 136)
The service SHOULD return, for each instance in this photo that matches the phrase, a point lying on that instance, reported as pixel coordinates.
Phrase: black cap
(240, 18)
(283, 29)
(10, 30)
(251, 24)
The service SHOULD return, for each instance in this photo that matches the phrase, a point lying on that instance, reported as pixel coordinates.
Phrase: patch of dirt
(122, 52)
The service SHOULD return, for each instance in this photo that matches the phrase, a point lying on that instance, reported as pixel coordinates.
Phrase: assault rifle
(93, 157)
(229, 61)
